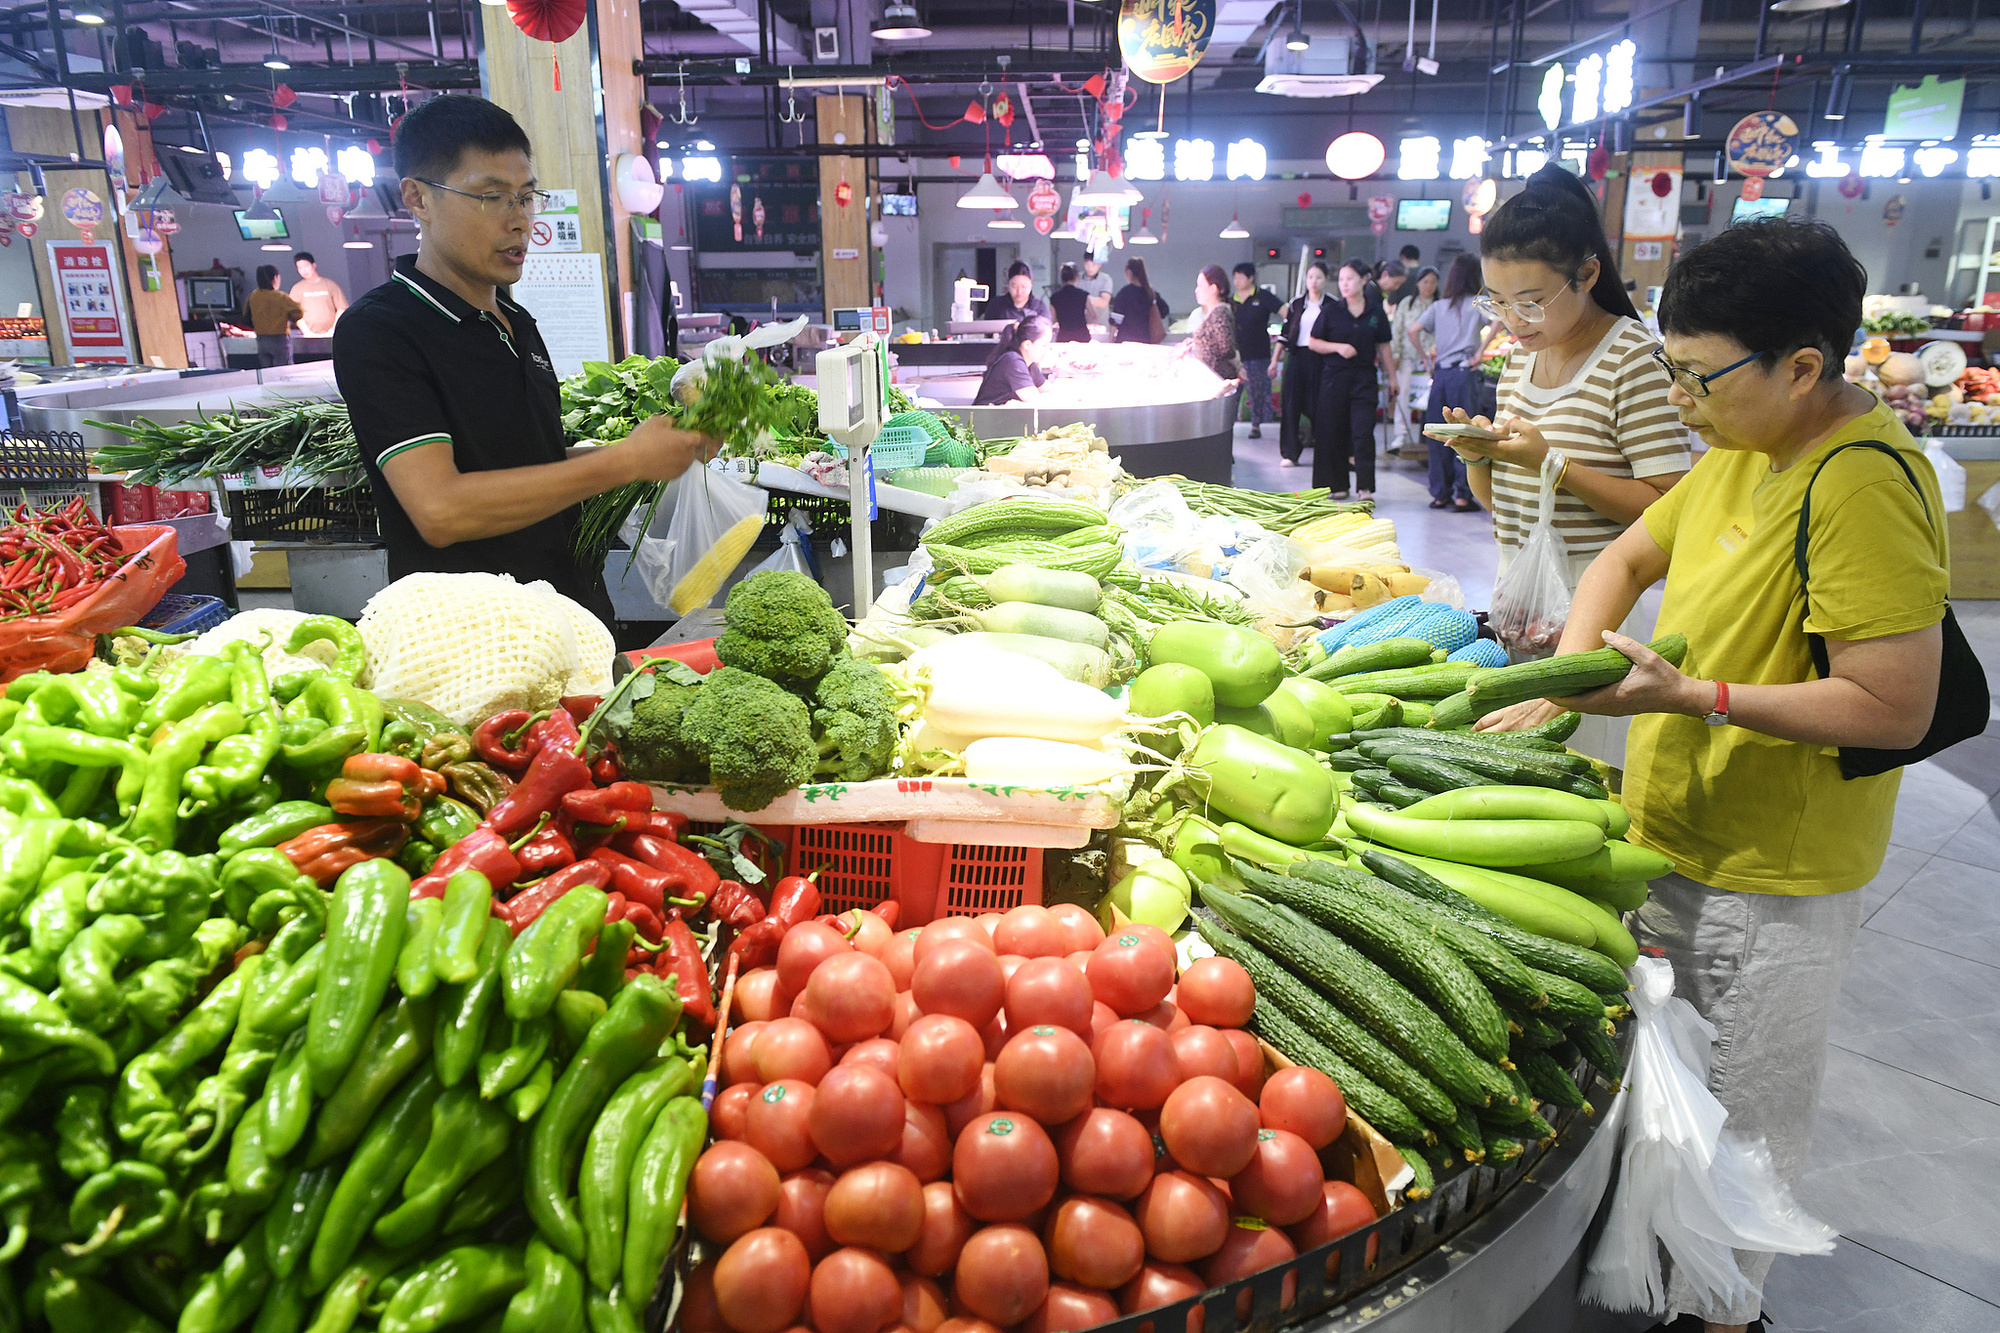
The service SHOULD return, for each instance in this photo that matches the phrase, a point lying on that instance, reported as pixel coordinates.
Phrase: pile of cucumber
(1449, 1028)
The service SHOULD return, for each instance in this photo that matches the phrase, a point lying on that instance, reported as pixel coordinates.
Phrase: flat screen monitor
(1423, 214)
(197, 177)
(899, 205)
(262, 229)
(211, 294)
(1752, 210)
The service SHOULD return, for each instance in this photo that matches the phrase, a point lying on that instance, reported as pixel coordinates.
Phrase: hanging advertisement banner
(1761, 143)
(1164, 39)
(1928, 111)
(1652, 204)
(93, 311)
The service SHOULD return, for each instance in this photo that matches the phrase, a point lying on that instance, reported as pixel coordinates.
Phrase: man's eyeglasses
(1692, 383)
(530, 202)
(1528, 312)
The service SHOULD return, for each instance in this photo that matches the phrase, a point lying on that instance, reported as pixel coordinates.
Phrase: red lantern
(954, 161)
(547, 20)
(1305, 200)
(1598, 163)
(282, 96)
(278, 122)
(843, 194)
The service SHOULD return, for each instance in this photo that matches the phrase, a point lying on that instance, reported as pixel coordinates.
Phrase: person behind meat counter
(1019, 369)
(1019, 300)
(450, 387)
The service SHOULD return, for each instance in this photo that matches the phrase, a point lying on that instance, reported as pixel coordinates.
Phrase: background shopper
(1019, 367)
(1212, 334)
(1254, 308)
(272, 315)
(1070, 305)
(1300, 393)
(1454, 330)
(1773, 844)
(1139, 314)
(1352, 339)
(1412, 353)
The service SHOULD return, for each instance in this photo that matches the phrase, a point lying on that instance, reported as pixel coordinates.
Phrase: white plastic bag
(1950, 476)
(1531, 601)
(1686, 1181)
(716, 521)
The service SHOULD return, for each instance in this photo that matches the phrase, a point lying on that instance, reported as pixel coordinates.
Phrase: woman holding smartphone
(1582, 402)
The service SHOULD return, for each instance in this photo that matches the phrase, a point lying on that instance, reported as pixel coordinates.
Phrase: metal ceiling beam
(381, 76)
(949, 67)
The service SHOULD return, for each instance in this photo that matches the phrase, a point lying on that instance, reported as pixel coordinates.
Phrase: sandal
(1440, 504)
(1461, 507)
(1337, 495)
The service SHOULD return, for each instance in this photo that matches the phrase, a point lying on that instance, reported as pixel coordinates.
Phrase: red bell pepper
(581, 705)
(382, 786)
(491, 741)
(321, 853)
(644, 919)
(606, 805)
(548, 850)
(736, 906)
(691, 876)
(554, 772)
(605, 768)
(658, 889)
(529, 903)
(483, 850)
(682, 959)
(758, 946)
(794, 899)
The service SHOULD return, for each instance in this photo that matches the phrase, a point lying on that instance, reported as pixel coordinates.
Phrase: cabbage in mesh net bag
(469, 645)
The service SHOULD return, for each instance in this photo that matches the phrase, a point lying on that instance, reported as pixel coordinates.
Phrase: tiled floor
(1906, 1157)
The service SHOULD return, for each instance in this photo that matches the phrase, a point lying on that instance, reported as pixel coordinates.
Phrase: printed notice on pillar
(557, 227)
(93, 312)
(565, 294)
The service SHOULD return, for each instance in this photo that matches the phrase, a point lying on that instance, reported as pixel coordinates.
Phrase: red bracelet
(1719, 715)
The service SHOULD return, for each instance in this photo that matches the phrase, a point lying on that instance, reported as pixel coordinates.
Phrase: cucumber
(1560, 677)
(1577, 962)
(1367, 781)
(1510, 802)
(1369, 995)
(1463, 1134)
(1381, 1067)
(1402, 948)
(1550, 1082)
(1600, 1050)
(1378, 1108)
(1501, 1146)
(1616, 862)
(1382, 655)
(1375, 710)
(1431, 775)
(1423, 1181)
(1526, 909)
(1453, 713)
(1569, 1001)
(1489, 744)
(1396, 795)
(1506, 976)
(1436, 681)
(1481, 842)
(1535, 1032)
(1557, 730)
(1346, 761)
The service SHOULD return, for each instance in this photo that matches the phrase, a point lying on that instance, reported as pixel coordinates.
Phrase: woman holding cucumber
(1737, 757)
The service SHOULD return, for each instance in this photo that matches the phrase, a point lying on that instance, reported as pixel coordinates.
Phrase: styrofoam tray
(1037, 816)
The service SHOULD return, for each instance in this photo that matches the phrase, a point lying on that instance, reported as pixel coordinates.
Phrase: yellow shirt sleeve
(1874, 560)
(1662, 517)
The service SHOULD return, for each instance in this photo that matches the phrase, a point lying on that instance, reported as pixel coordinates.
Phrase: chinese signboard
(771, 205)
(556, 229)
(93, 313)
(1164, 39)
(1762, 143)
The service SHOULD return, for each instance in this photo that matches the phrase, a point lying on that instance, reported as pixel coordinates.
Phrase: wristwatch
(1719, 715)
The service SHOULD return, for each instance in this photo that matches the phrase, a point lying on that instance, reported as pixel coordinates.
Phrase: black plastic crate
(54, 455)
(304, 514)
(890, 531)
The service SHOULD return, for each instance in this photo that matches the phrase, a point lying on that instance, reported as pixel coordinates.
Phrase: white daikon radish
(1030, 762)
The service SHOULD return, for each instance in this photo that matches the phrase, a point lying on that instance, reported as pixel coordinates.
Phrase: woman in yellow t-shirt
(1733, 767)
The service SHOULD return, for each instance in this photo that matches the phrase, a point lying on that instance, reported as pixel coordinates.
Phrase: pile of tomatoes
(998, 1123)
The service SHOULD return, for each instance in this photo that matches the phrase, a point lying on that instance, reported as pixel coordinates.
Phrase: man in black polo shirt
(451, 390)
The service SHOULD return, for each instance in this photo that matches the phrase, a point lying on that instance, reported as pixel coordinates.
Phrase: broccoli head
(782, 626)
(756, 734)
(651, 746)
(854, 717)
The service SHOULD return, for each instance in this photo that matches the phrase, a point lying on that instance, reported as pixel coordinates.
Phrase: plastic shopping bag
(1531, 601)
(1686, 1181)
(716, 521)
(1950, 475)
(63, 641)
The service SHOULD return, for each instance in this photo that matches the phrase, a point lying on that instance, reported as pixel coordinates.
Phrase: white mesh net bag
(469, 645)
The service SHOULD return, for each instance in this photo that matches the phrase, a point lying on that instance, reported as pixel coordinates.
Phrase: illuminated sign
(1879, 160)
(308, 164)
(1194, 160)
(1417, 159)
(261, 168)
(1618, 62)
(1468, 158)
(1245, 160)
(1550, 103)
(1589, 74)
(357, 164)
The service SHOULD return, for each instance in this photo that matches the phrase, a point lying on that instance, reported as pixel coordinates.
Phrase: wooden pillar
(152, 318)
(1647, 224)
(580, 103)
(844, 257)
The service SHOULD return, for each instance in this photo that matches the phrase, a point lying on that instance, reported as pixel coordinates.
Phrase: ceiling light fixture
(1299, 39)
(899, 23)
(87, 14)
(988, 193)
(355, 242)
(1007, 224)
(276, 61)
(274, 245)
(1234, 231)
(1143, 236)
(1805, 6)
(1101, 190)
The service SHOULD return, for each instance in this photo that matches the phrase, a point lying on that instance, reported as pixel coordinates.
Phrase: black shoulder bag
(1963, 704)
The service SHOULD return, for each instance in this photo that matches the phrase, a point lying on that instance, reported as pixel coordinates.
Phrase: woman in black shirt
(1352, 334)
(1133, 307)
(1298, 395)
(1015, 373)
(1071, 305)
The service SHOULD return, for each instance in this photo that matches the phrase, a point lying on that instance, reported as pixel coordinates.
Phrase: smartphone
(1453, 431)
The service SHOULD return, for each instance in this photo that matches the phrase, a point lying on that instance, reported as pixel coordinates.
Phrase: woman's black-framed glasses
(530, 202)
(1694, 384)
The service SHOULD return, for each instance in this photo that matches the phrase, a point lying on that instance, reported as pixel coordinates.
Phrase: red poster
(93, 311)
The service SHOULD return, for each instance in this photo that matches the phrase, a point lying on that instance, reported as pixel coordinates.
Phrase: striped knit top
(1613, 416)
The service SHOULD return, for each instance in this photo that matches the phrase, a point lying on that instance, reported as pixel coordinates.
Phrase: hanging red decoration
(1598, 162)
(954, 161)
(843, 194)
(1094, 85)
(121, 94)
(975, 114)
(278, 122)
(282, 96)
(1003, 110)
(375, 148)
(152, 110)
(548, 20)
(1305, 200)
(1663, 184)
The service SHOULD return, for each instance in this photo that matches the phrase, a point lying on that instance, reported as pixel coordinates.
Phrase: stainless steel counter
(170, 399)
(1150, 439)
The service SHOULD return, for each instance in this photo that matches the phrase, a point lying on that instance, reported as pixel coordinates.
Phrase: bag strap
(1815, 643)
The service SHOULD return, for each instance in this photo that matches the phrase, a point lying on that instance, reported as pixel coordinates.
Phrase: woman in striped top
(1582, 400)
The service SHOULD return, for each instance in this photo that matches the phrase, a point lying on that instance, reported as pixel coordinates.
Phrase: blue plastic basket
(896, 446)
(185, 613)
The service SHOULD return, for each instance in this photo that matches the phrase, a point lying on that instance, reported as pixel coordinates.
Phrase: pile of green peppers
(231, 1099)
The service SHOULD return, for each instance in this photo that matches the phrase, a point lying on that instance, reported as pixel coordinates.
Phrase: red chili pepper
(316, 850)
(889, 910)
(546, 851)
(606, 769)
(794, 899)
(690, 874)
(758, 946)
(554, 772)
(682, 958)
(483, 850)
(373, 800)
(664, 823)
(604, 805)
(581, 705)
(637, 880)
(490, 741)
(376, 767)
(520, 910)
(736, 906)
(554, 727)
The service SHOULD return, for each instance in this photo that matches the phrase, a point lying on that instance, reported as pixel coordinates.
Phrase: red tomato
(802, 1210)
(756, 995)
(975, 1103)
(1183, 1216)
(760, 1281)
(994, 1036)
(906, 1014)
(880, 1205)
(923, 1304)
(899, 955)
(1105, 1152)
(1306, 1102)
(879, 1052)
(966, 1324)
(1004, 1167)
(940, 1059)
(1136, 1065)
(945, 1230)
(1251, 1249)
(732, 1190)
(1094, 1242)
(857, 1115)
(951, 928)
(926, 1145)
(791, 1048)
(1282, 1183)
(1102, 1019)
(1341, 1209)
(1003, 1274)
(698, 1310)
(959, 978)
(1049, 990)
(989, 922)
(1068, 1307)
(872, 935)
(1249, 1078)
(1031, 931)
(1080, 929)
(854, 1291)
(731, 1105)
(777, 1124)
(1080, 958)
(738, 1065)
(1163, 1284)
(1010, 963)
(1209, 1127)
(1046, 1072)
(1165, 1017)
(1203, 1050)
(803, 949)
(1130, 973)
(852, 996)
(1217, 992)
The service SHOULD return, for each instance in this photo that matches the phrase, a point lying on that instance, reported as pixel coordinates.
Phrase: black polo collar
(441, 298)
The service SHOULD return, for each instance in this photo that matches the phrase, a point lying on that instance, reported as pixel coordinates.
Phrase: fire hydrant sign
(93, 310)
(557, 229)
